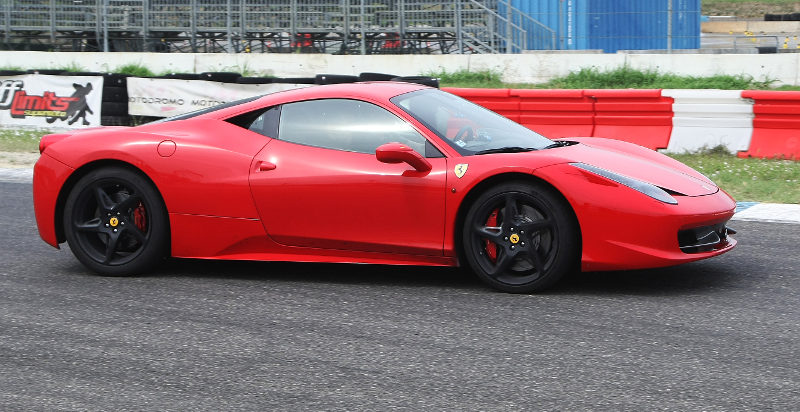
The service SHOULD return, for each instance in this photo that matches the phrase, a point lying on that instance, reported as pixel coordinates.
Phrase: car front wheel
(520, 237)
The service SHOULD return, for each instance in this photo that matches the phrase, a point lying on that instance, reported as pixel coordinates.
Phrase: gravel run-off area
(15, 160)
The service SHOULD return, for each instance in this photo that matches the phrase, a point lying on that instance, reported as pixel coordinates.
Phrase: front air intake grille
(703, 238)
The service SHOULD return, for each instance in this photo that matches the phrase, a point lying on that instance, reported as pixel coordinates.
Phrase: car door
(320, 184)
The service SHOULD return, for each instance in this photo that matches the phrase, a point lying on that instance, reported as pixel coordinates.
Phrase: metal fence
(236, 26)
(347, 26)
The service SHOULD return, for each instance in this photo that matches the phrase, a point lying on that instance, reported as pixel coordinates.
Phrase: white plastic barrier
(708, 118)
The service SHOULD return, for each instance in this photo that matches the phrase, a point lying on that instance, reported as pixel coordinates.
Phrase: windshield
(470, 129)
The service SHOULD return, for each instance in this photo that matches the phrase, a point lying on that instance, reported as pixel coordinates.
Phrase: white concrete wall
(516, 68)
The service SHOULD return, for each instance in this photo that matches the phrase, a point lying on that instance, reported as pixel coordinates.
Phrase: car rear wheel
(116, 223)
(520, 237)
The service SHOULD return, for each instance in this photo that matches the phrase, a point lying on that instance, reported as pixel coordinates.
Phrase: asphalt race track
(722, 334)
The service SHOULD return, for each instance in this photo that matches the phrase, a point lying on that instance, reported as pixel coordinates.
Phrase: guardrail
(556, 113)
(776, 126)
(751, 123)
(643, 117)
(709, 118)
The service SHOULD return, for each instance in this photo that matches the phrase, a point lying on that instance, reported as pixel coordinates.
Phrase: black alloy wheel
(520, 237)
(116, 223)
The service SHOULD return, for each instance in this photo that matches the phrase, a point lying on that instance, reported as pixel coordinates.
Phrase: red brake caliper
(491, 248)
(139, 217)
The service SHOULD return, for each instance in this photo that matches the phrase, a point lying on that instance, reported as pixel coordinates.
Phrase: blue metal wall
(612, 25)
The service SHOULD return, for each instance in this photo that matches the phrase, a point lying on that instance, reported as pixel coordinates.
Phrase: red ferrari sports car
(381, 172)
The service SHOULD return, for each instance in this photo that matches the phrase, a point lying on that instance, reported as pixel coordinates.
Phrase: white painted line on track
(16, 175)
(745, 211)
(770, 212)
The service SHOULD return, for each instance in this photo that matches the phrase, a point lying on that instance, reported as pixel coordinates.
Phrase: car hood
(639, 163)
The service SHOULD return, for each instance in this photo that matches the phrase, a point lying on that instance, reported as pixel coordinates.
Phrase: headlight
(642, 187)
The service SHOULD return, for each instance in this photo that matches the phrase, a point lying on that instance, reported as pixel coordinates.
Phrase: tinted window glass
(262, 121)
(342, 124)
(467, 127)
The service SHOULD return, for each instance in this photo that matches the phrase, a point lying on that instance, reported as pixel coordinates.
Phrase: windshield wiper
(510, 149)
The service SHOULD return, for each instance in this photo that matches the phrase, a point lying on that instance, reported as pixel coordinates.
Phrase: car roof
(375, 91)
(366, 90)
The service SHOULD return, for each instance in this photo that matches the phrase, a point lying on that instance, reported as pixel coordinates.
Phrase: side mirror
(398, 153)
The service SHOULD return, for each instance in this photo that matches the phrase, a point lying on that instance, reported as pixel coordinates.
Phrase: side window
(342, 124)
(262, 121)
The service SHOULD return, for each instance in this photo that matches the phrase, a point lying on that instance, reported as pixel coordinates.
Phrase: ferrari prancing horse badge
(461, 169)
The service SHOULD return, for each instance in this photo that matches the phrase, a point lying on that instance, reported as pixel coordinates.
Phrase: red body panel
(332, 199)
(623, 230)
(235, 194)
(48, 175)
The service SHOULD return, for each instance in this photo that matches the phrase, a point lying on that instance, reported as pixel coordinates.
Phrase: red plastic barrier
(556, 113)
(497, 100)
(776, 126)
(643, 117)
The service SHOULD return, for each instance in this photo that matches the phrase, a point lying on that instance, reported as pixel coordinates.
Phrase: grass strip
(756, 180)
(21, 140)
(619, 78)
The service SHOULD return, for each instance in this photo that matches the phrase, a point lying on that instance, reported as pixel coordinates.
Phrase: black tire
(115, 94)
(224, 77)
(115, 79)
(52, 72)
(116, 120)
(528, 252)
(114, 109)
(295, 80)
(67, 73)
(180, 76)
(254, 80)
(375, 77)
(423, 80)
(335, 79)
(116, 223)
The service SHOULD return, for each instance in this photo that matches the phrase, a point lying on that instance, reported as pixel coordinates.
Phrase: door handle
(266, 166)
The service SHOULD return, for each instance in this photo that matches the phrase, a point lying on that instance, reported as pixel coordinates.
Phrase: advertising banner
(171, 97)
(50, 101)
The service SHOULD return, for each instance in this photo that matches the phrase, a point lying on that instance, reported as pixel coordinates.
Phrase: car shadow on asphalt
(697, 277)
(338, 273)
(690, 278)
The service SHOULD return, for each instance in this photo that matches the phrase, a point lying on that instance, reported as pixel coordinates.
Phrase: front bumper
(623, 229)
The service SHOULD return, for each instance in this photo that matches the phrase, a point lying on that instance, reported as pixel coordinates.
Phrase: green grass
(759, 180)
(619, 78)
(21, 140)
(134, 69)
(708, 2)
(626, 77)
(72, 67)
(465, 78)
